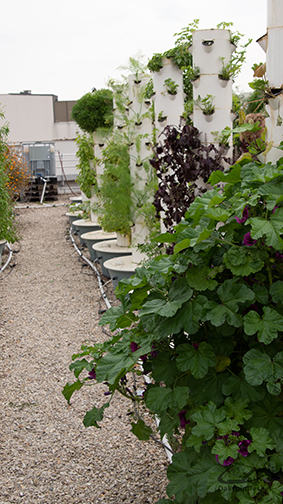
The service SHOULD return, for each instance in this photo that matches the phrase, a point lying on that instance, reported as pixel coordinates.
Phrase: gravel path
(49, 307)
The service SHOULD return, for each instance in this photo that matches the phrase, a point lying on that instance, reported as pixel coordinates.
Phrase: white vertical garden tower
(209, 46)
(272, 44)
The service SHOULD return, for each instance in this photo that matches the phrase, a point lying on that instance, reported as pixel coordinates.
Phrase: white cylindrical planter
(109, 250)
(209, 46)
(76, 199)
(169, 106)
(274, 76)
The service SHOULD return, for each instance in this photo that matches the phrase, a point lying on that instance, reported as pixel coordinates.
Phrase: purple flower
(228, 461)
(196, 345)
(92, 374)
(143, 358)
(154, 352)
(183, 420)
(245, 216)
(248, 241)
(243, 447)
(134, 347)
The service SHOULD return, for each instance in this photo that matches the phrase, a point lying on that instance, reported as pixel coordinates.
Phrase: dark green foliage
(209, 329)
(94, 110)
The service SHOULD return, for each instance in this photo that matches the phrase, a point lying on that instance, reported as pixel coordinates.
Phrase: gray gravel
(49, 307)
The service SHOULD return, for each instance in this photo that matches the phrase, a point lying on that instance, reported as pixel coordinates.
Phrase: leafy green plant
(94, 110)
(161, 117)
(115, 189)
(171, 86)
(205, 104)
(206, 323)
(149, 90)
(7, 217)
(87, 174)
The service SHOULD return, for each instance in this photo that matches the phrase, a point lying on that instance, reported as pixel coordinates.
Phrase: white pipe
(9, 258)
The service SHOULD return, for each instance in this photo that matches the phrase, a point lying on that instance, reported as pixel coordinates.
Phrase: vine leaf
(271, 229)
(195, 360)
(158, 398)
(267, 326)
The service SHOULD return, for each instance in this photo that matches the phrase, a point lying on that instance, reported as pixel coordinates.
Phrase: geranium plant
(206, 323)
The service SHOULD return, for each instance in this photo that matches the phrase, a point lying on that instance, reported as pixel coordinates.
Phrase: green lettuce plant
(206, 323)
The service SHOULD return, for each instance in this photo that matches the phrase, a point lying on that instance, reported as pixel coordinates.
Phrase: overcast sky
(67, 47)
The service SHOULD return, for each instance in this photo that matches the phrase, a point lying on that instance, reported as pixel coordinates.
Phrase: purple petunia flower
(183, 420)
(243, 447)
(134, 347)
(92, 374)
(245, 216)
(248, 240)
(228, 461)
(154, 352)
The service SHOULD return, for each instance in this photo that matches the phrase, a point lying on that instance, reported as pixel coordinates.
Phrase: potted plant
(161, 117)
(171, 86)
(205, 104)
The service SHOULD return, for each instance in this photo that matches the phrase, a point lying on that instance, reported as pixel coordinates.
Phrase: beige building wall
(42, 118)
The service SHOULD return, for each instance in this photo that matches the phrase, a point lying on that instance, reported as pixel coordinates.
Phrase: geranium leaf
(237, 409)
(206, 420)
(239, 388)
(267, 326)
(195, 360)
(271, 229)
(95, 415)
(210, 386)
(141, 430)
(276, 291)
(243, 260)
(224, 451)
(164, 368)
(70, 388)
(158, 398)
(260, 441)
(231, 295)
(111, 315)
(276, 459)
(266, 414)
(198, 278)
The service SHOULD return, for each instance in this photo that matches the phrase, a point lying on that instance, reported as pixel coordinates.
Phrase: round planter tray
(94, 237)
(119, 268)
(85, 226)
(109, 250)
